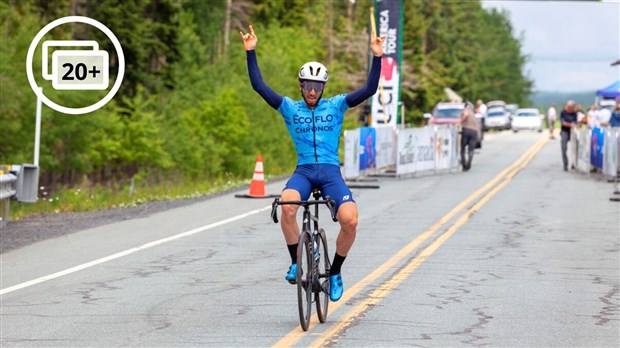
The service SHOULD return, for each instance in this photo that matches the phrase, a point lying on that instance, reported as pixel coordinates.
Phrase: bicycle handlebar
(330, 203)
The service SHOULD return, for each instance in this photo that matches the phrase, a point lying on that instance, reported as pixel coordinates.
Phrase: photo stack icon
(76, 69)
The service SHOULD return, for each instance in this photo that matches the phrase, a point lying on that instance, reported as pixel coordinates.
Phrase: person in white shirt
(552, 115)
(592, 120)
(481, 108)
(604, 114)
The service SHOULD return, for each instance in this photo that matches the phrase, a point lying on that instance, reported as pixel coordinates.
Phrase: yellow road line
(391, 284)
(296, 334)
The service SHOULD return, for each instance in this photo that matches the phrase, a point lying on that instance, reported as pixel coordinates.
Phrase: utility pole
(37, 130)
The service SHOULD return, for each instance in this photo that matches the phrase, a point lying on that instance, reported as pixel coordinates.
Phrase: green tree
(462, 46)
(186, 108)
(147, 31)
(17, 100)
(141, 146)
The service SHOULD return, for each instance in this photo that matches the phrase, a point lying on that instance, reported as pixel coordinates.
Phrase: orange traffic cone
(257, 186)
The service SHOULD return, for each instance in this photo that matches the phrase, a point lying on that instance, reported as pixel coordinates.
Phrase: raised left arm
(370, 88)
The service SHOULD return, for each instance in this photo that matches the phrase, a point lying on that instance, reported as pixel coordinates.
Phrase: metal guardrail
(18, 182)
(7, 191)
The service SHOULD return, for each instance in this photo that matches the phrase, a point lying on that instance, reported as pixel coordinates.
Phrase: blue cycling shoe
(291, 275)
(335, 287)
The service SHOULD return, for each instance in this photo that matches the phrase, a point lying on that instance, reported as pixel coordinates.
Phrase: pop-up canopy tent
(611, 91)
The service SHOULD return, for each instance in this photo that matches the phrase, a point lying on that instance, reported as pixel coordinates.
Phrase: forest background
(186, 114)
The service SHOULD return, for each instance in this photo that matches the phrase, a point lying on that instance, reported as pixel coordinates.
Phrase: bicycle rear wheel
(304, 279)
(322, 296)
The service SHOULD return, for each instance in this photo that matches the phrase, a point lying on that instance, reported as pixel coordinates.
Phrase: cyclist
(314, 125)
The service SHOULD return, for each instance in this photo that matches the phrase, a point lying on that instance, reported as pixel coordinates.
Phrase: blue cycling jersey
(315, 132)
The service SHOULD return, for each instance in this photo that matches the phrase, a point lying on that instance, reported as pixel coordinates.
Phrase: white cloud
(570, 44)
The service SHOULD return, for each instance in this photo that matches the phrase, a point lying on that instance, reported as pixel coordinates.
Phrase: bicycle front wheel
(304, 279)
(321, 297)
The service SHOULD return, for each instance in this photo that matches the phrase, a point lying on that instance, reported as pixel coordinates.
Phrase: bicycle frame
(310, 289)
(310, 225)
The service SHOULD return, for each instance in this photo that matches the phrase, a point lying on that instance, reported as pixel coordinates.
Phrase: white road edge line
(129, 251)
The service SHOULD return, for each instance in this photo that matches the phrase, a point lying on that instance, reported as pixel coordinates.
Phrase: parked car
(527, 119)
(497, 118)
(445, 113)
(512, 109)
(494, 103)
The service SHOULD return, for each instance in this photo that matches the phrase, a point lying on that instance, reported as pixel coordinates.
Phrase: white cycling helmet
(313, 71)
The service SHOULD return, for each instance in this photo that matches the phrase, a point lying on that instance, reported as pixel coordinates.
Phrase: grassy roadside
(92, 198)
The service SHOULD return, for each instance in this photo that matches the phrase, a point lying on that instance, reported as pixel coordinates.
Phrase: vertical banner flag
(385, 101)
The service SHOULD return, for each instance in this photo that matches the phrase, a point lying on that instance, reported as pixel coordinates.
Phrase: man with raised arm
(314, 124)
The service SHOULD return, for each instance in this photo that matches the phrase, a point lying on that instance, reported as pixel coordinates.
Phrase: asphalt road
(515, 252)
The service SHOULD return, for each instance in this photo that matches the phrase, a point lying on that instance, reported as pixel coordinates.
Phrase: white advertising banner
(446, 148)
(572, 149)
(386, 147)
(584, 144)
(351, 153)
(416, 150)
(425, 149)
(611, 152)
(455, 147)
(404, 151)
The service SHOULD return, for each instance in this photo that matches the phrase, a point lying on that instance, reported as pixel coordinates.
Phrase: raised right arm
(272, 98)
(250, 40)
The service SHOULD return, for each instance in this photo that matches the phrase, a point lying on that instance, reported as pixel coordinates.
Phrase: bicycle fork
(319, 280)
(316, 258)
(317, 287)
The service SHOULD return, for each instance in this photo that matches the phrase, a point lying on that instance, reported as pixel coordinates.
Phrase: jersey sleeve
(286, 109)
(340, 102)
(268, 94)
(370, 88)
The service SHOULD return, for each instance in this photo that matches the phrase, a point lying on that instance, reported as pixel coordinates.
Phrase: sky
(570, 44)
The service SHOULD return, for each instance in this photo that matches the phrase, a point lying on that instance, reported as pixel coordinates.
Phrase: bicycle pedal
(325, 287)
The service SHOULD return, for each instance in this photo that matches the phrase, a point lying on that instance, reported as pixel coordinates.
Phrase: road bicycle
(313, 261)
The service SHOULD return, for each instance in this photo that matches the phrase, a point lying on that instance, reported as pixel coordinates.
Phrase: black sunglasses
(310, 85)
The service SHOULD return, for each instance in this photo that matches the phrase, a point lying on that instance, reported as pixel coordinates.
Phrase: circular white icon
(65, 81)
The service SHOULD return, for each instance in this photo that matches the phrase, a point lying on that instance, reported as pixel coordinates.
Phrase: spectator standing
(604, 115)
(469, 137)
(592, 117)
(481, 109)
(581, 117)
(568, 119)
(552, 115)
